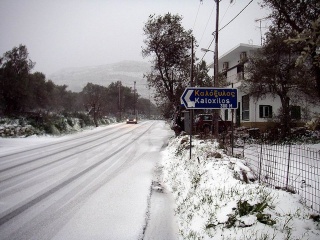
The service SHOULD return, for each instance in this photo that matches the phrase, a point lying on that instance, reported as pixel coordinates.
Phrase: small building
(251, 112)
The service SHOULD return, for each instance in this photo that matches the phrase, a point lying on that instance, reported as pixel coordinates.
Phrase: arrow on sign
(187, 98)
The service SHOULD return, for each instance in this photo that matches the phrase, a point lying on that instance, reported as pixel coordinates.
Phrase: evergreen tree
(169, 46)
(94, 100)
(15, 67)
(302, 19)
(272, 71)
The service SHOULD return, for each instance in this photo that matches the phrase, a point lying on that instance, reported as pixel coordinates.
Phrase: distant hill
(126, 71)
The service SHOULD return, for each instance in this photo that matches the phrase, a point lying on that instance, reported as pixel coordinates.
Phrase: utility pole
(216, 64)
(119, 85)
(149, 104)
(216, 112)
(191, 73)
(216, 70)
(134, 99)
(191, 85)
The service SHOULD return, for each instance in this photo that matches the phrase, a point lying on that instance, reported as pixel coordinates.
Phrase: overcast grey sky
(75, 33)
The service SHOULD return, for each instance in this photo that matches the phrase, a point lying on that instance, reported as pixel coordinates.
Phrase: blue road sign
(210, 98)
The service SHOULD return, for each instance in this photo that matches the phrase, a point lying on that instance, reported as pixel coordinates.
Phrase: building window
(265, 111)
(295, 112)
(240, 72)
(225, 74)
(243, 57)
(245, 107)
(226, 116)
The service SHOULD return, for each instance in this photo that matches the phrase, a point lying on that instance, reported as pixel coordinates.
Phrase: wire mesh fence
(294, 168)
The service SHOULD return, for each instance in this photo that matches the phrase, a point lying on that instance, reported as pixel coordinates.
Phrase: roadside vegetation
(29, 99)
(219, 197)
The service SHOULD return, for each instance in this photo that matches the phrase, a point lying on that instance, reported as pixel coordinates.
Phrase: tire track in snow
(59, 151)
(59, 159)
(7, 216)
(57, 143)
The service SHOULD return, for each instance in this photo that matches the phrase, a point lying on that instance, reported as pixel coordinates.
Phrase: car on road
(132, 119)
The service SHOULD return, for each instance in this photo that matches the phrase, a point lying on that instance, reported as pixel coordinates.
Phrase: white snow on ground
(108, 202)
(13, 144)
(210, 198)
(114, 205)
(214, 202)
(161, 223)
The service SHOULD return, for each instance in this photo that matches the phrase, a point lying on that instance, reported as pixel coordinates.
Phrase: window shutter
(261, 111)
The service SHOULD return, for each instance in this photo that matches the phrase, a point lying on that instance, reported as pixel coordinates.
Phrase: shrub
(244, 208)
(314, 124)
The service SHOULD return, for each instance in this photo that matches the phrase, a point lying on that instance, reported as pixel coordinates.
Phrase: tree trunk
(95, 120)
(285, 117)
(317, 70)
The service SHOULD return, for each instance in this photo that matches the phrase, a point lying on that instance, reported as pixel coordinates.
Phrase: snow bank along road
(90, 185)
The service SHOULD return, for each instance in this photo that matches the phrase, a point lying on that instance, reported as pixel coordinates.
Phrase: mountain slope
(126, 71)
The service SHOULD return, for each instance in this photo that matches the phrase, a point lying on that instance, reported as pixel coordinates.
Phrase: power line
(236, 16)
(225, 12)
(206, 25)
(195, 20)
(227, 25)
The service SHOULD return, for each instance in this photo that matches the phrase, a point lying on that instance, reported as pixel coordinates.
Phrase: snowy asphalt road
(91, 185)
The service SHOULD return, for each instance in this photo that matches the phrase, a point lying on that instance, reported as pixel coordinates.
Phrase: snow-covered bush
(218, 198)
(47, 124)
(314, 124)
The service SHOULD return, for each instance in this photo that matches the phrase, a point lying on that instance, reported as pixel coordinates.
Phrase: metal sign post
(210, 98)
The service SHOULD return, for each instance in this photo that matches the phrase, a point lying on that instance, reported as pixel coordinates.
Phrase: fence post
(287, 182)
(244, 145)
(260, 162)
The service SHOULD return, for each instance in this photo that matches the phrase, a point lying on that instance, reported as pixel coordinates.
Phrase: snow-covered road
(91, 185)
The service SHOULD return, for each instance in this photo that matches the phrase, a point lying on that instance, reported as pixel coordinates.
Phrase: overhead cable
(206, 25)
(226, 25)
(236, 16)
(196, 16)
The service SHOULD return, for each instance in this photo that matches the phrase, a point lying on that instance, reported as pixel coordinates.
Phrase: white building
(251, 112)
